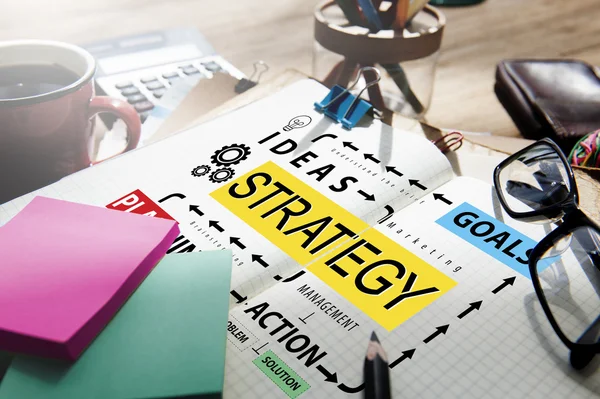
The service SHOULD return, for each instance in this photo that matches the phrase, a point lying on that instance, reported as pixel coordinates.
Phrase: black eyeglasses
(537, 184)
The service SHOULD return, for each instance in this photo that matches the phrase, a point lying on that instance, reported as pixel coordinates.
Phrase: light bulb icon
(297, 122)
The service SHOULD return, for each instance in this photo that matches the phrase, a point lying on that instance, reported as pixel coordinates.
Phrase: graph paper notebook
(66, 270)
(168, 341)
(335, 234)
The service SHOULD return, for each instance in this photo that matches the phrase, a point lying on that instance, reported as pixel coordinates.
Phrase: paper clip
(450, 142)
(342, 106)
(245, 84)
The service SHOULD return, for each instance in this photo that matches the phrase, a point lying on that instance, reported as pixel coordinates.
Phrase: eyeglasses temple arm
(580, 358)
(595, 256)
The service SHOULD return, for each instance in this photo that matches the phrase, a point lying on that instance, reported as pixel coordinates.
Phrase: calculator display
(148, 58)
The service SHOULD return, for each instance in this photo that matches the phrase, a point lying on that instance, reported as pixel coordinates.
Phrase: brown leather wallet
(559, 99)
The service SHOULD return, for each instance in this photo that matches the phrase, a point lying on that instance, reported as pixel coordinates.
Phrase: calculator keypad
(212, 66)
(170, 75)
(159, 93)
(190, 70)
(155, 85)
(123, 85)
(136, 98)
(143, 106)
(142, 92)
(130, 91)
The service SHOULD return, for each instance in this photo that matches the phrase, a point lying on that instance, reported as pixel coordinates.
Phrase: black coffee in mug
(47, 110)
(18, 81)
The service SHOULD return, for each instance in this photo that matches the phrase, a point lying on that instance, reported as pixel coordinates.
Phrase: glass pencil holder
(406, 59)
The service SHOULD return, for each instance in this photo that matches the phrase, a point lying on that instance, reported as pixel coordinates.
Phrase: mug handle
(123, 110)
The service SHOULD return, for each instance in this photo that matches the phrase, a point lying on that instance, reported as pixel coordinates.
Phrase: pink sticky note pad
(66, 269)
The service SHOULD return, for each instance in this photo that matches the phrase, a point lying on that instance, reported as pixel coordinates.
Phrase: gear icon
(230, 155)
(221, 175)
(201, 170)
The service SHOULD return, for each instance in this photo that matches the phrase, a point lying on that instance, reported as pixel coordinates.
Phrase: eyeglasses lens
(569, 274)
(536, 180)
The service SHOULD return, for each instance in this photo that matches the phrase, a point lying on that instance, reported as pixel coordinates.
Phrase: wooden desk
(280, 32)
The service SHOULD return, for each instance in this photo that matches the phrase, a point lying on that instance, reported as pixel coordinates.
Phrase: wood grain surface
(280, 32)
(588, 184)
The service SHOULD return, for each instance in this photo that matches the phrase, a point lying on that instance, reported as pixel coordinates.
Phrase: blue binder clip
(342, 106)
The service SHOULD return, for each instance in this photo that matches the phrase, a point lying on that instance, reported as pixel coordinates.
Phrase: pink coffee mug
(45, 136)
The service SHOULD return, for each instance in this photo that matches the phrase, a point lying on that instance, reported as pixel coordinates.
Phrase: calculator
(140, 68)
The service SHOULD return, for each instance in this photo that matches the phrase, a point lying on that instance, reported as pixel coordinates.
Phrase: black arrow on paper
(345, 388)
(258, 259)
(473, 306)
(174, 195)
(215, 224)
(392, 169)
(372, 158)
(329, 377)
(368, 197)
(349, 145)
(304, 319)
(195, 209)
(323, 136)
(442, 198)
(238, 297)
(506, 283)
(390, 213)
(256, 350)
(438, 330)
(291, 278)
(416, 184)
(405, 355)
(236, 241)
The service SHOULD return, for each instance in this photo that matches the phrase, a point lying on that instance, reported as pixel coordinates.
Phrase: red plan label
(138, 202)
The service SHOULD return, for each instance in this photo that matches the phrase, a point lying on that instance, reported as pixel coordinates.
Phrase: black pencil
(377, 374)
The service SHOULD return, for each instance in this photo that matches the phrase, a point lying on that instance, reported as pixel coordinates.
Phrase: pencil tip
(374, 349)
(374, 337)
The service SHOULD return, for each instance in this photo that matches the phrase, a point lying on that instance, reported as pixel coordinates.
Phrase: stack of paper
(66, 270)
(167, 341)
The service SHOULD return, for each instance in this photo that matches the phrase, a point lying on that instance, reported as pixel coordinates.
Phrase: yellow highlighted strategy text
(377, 275)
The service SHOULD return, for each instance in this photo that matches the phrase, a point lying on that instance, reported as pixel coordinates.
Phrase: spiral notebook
(334, 234)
